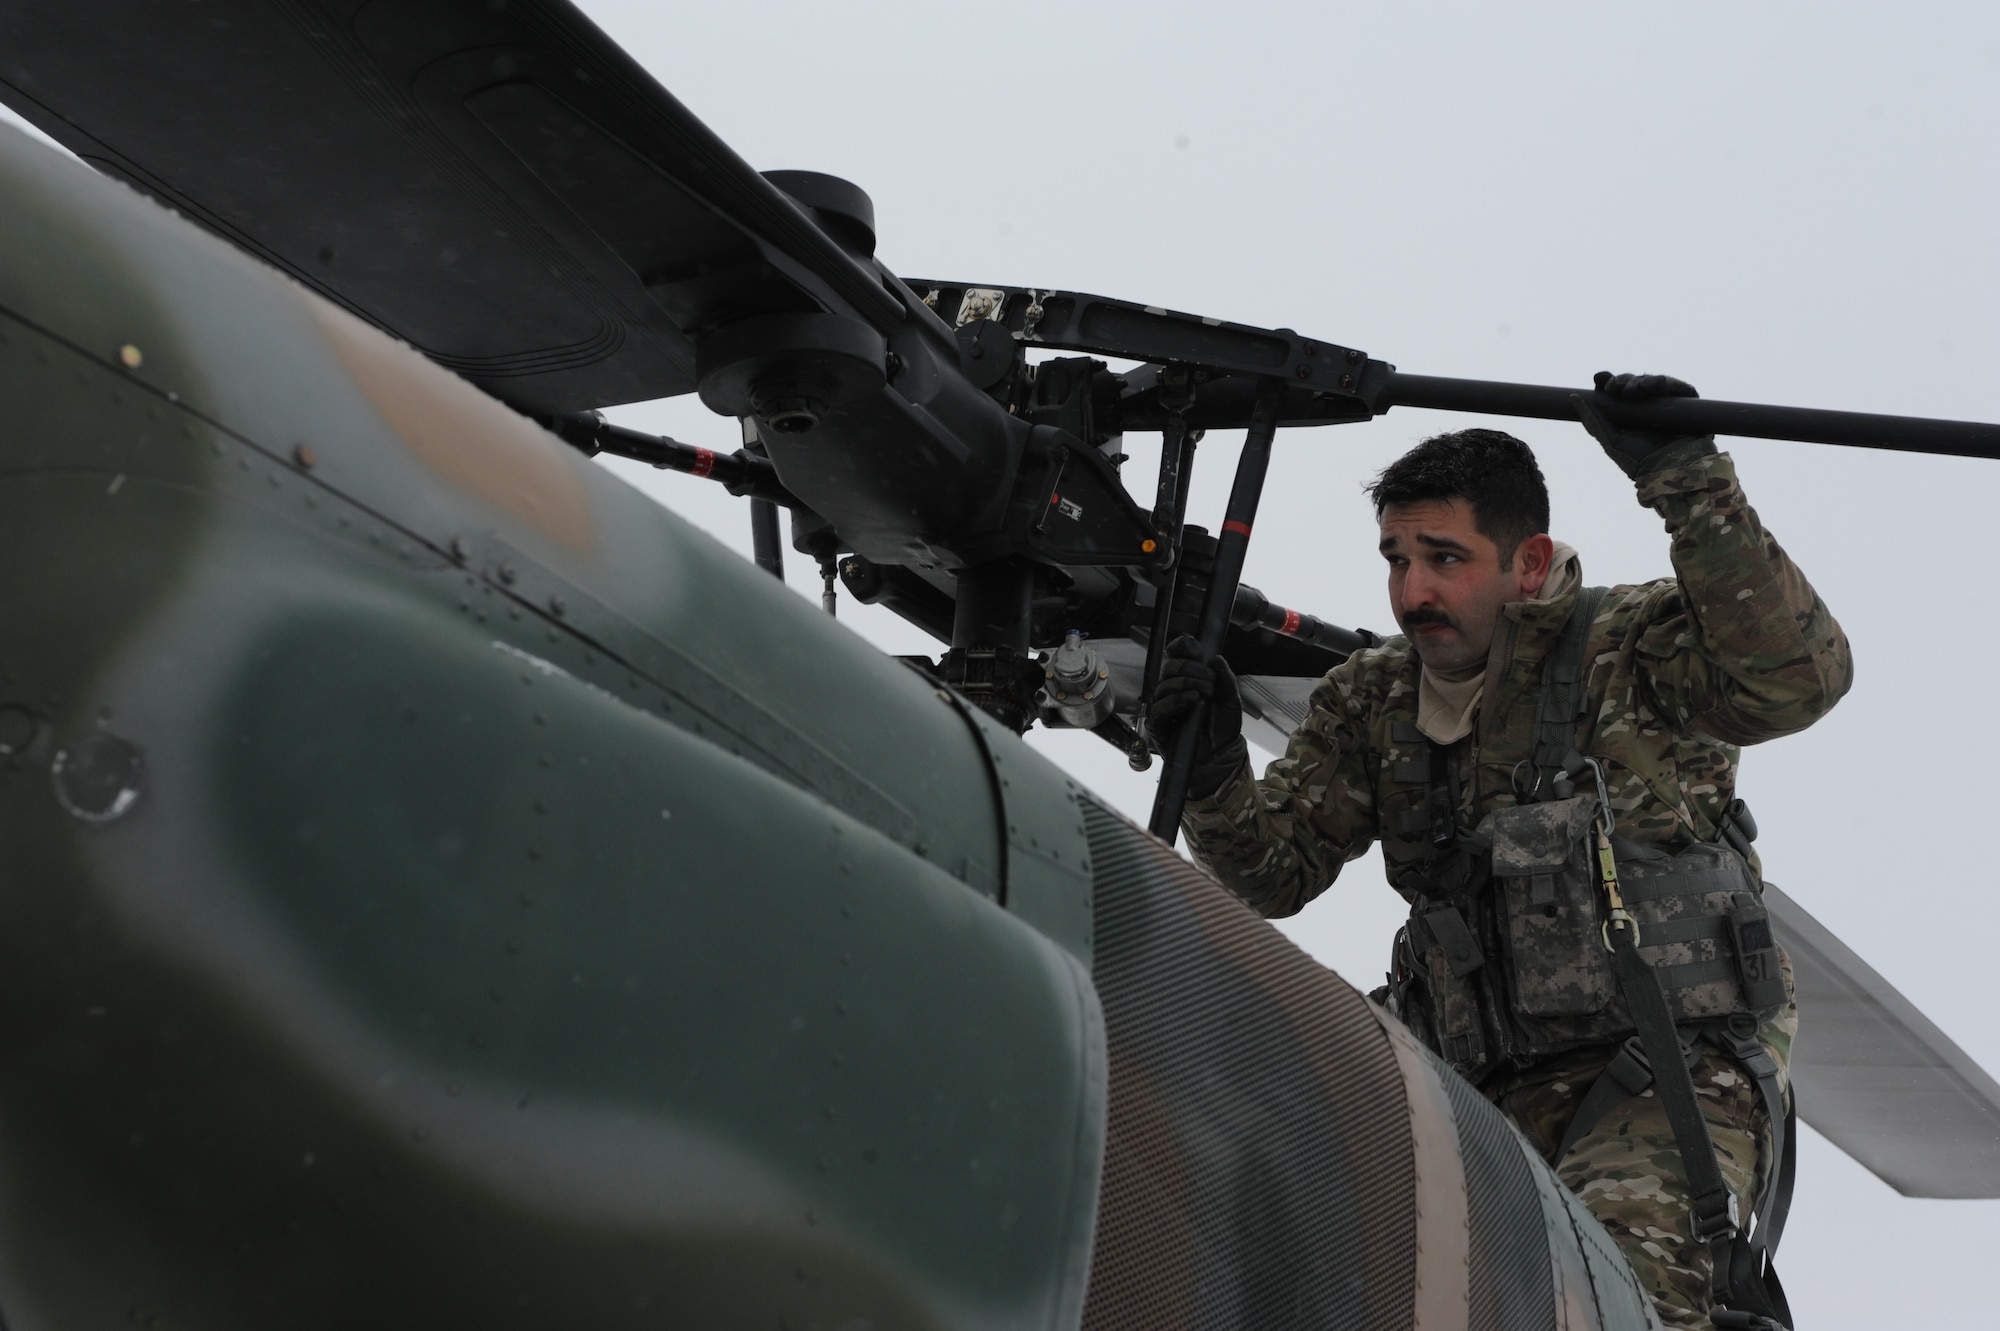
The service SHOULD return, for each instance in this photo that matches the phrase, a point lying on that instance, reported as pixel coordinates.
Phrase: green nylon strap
(1441, 799)
(1753, 1279)
(1711, 1223)
(1628, 1073)
(1563, 700)
(1776, 1203)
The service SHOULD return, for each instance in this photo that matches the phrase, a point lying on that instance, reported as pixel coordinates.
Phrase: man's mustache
(1416, 619)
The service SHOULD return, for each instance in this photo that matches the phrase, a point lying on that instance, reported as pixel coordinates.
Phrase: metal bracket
(980, 303)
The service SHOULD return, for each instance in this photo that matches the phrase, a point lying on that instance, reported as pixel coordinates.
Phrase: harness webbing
(1629, 1073)
(1441, 800)
(1660, 1054)
(1563, 700)
(1776, 1203)
(1742, 1275)
(1714, 1223)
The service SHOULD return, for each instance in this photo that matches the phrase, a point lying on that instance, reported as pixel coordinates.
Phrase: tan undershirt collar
(1448, 704)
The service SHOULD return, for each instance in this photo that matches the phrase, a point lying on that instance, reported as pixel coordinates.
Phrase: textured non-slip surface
(1511, 1280)
(1271, 1162)
(1258, 1170)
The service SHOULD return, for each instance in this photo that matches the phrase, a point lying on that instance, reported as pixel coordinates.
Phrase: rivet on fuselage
(98, 777)
(18, 728)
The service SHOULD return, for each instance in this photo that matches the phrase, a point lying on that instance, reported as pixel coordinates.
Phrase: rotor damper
(789, 370)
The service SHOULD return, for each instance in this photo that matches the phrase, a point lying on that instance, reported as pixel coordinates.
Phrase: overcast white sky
(1780, 203)
(1784, 203)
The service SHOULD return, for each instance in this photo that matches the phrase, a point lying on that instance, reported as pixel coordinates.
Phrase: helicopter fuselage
(445, 888)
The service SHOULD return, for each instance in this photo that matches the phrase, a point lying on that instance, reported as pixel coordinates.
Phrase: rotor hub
(790, 370)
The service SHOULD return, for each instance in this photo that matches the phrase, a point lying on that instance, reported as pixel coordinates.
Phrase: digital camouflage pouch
(1546, 885)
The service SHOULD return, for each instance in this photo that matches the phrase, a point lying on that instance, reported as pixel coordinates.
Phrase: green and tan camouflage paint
(525, 914)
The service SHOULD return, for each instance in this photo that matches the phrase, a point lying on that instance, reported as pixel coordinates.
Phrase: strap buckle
(1635, 1049)
(1715, 1225)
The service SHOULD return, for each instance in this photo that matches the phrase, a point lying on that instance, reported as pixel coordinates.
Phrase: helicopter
(517, 586)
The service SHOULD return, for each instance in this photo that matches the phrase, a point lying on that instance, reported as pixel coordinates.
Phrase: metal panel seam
(1092, 1128)
(1441, 1299)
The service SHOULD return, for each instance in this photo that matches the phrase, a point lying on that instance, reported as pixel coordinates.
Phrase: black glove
(1640, 453)
(1186, 683)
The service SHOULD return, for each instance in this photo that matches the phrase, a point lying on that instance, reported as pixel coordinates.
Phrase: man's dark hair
(1493, 471)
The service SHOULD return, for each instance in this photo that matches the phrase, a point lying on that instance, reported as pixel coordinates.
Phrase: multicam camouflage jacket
(1734, 650)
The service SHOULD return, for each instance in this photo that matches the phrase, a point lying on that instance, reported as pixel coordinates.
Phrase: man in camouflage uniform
(1733, 650)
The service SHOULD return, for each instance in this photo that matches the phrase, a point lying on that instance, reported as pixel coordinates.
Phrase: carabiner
(1603, 795)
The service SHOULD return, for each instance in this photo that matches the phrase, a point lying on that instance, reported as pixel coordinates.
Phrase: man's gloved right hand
(1186, 683)
(1640, 453)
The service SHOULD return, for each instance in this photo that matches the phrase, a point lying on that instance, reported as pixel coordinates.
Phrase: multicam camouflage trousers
(1628, 1170)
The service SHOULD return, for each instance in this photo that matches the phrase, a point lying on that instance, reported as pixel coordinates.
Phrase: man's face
(1446, 585)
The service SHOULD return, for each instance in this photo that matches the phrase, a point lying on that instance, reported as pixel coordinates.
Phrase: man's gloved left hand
(1640, 453)
(1186, 682)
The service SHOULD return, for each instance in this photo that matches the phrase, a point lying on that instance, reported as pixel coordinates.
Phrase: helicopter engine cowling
(443, 885)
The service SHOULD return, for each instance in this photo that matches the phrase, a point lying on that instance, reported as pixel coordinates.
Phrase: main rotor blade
(1694, 415)
(497, 184)
(1878, 1078)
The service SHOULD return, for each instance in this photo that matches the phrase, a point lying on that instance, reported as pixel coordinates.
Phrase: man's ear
(1532, 560)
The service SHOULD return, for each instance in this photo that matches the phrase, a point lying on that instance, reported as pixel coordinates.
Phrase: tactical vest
(1509, 958)
(1505, 960)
